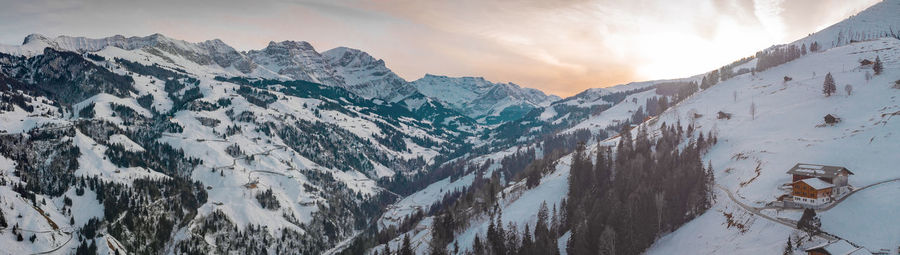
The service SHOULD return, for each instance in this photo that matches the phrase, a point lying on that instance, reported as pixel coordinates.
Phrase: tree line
(622, 202)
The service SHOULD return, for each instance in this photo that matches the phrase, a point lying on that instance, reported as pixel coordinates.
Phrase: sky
(558, 46)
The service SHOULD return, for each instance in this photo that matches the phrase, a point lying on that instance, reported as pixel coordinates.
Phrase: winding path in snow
(59, 247)
(823, 234)
(836, 202)
(754, 210)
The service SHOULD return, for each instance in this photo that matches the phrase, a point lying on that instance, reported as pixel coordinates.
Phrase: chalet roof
(817, 183)
(819, 171)
(839, 247)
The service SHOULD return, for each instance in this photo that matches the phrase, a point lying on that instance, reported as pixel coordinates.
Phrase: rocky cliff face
(366, 76)
(297, 60)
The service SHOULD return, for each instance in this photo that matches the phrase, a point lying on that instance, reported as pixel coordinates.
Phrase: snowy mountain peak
(297, 60)
(367, 76)
(349, 57)
(485, 101)
(204, 53)
(290, 45)
(35, 38)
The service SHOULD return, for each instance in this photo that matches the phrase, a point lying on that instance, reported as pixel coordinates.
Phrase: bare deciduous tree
(753, 110)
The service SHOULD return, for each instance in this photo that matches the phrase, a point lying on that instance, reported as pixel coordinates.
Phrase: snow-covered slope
(366, 76)
(788, 128)
(879, 20)
(487, 102)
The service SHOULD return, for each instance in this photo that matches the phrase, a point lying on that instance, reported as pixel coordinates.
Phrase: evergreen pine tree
(878, 67)
(3, 223)
(477, 245)
(809, 222)
(788, 249)
(406, 249)
(498, 240)
(512, 239)
(92, 249)
(527, 247)
(828, 87)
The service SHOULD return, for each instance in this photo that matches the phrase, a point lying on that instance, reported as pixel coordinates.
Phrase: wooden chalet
(815, 185)
(812, 191)
(830, 174)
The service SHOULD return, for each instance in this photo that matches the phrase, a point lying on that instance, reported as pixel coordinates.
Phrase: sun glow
(676, 54)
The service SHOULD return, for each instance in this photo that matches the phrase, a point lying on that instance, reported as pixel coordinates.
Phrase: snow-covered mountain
(485, 101)
(205, 53)
(297, 60)
(764, 124)
(367, 76)
(351, 69)
(83, 133)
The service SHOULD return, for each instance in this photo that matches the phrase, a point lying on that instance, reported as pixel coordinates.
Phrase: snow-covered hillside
(752, 155)
(754, 152)
(877, 21)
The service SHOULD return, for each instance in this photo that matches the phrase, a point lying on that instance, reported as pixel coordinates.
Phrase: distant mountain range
(351, 69)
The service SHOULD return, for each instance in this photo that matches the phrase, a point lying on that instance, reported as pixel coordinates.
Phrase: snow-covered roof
(840, 247)
(817, 184)
(814, 170)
